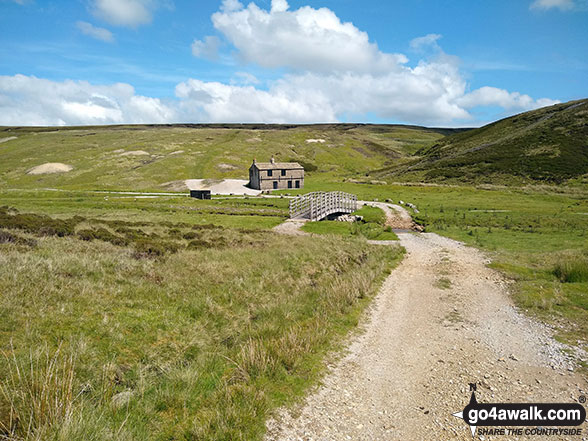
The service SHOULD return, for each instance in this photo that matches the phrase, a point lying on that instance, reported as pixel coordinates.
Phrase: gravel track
(291, 227)
(442, 320)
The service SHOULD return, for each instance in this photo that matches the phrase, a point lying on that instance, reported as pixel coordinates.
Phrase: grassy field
(546, 145)
(372, 227)
(160, 158)
(168, 319)
(527, 231)
(255, 213)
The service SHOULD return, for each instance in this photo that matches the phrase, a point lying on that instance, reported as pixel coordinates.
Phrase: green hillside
(165, 317)
(548, 145)
(161, 157)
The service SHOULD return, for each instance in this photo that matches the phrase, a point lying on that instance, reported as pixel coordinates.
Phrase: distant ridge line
(242, 126)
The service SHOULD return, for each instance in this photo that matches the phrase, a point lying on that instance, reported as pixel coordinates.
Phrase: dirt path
(442, 320)
(10, 138)
(291, 227)
(396, 216)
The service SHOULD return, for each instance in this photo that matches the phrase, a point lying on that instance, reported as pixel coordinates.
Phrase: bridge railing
(319, 204)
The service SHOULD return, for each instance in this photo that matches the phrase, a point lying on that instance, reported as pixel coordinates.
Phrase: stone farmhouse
(275, 175)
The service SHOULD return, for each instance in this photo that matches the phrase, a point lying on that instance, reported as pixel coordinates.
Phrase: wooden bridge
(319, 204)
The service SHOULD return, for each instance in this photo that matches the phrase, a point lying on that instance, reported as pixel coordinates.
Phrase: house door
(275, 185)
(297, 184)
(289, 184)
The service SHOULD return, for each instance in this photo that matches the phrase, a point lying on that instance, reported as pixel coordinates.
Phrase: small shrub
(102, 234)
(174, 232)
(572, 269)
(6, 237)
(420, 220)
(191, 235)
(131, 234)
(249, 231)
(206, 227)
(199, 243)
(150, 248)
(38, 223)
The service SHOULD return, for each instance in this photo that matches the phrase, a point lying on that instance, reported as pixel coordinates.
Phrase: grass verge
(537, 236)
(372, 227)
(198, 343)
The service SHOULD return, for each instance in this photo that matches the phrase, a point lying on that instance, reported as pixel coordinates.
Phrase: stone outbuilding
(276, 175)
(200, 194)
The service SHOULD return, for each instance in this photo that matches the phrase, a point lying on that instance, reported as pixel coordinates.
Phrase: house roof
(277, 165)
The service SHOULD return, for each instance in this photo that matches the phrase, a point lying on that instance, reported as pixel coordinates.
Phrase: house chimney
(272, 160)
(253, 160)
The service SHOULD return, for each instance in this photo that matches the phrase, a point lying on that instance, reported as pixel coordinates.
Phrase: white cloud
(431, 94)
(95, 32)
(279, 6)
(336, 64)
(425, 94)
(244, 78)
(492, 96)
(212, 101)
(428, 41)
(208, 48)
(334, 73)
(27, 100)
(131, 13)
(564, 5)
(305, 39)
(231, 5)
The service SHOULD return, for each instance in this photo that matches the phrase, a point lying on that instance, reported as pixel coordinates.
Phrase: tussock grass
(197, 344)
(37, 394)
(443, 283)
(554, 287)
(151, 241)
(572, 267)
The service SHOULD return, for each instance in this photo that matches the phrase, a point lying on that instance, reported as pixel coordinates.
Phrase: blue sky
(459, 63)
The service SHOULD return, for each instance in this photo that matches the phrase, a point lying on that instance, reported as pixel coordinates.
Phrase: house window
(289, 184)
(269, 172)
(297, 184)
(283, 172)
(275, 185)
